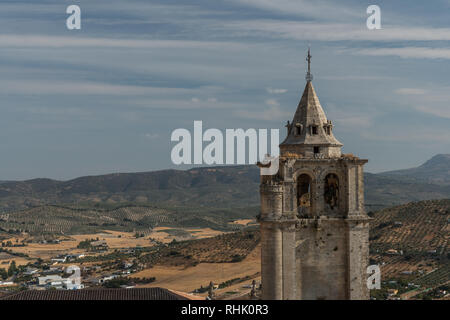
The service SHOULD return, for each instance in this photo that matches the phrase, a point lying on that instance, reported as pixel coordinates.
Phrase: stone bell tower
(314, 229)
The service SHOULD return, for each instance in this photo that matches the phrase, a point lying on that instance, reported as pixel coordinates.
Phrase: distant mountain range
(203, 187)
(435, 171)
(218, 187)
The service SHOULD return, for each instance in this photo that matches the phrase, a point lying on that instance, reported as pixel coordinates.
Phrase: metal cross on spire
(309, 76)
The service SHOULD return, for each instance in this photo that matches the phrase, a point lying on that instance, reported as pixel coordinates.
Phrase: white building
(58, 282)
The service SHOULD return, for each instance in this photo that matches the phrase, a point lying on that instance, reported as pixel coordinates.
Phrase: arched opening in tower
(331, 191)
(304, 194)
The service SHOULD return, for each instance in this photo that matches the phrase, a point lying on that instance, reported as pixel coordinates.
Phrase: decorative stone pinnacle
(309, 76)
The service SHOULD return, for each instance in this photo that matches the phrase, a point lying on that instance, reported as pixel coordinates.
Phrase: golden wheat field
(114, 239)
(191, 278)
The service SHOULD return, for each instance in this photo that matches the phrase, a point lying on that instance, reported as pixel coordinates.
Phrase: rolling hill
(417, 227)
(215, 187)
(57, 219)
(383, 191)
(434, 171)
(411, 243)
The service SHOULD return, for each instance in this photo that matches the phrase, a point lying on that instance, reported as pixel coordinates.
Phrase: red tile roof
(96, 294)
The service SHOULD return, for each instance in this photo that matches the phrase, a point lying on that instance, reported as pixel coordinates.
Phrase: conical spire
(310, 132)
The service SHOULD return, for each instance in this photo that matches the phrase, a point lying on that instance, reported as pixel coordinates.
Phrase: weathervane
(309, 76)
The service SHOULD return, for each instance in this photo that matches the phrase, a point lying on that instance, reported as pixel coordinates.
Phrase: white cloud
(65, 87)
(355, 77)
(274, 113)
(318, 9)
(276, 91)
(57, 111)
(410, 91)
(307, 31)
(407, 52)
(441, 111)
(82, 88)
(34, 41)
(422, 136)
(350, 122)
(183, 104)
(349, 119)
(272, 102)
(151, 136)
(209, 100)
(432, 100)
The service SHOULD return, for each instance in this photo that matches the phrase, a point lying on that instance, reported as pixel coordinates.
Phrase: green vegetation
(106, 257)
(12, 253)
(177, 233)
(436, 277)
(230, 247)
(416, 228)
(85, 244)
(117, 283)
(142, 280)
(233, 281)
(126, 281)
(51, 219)
(418, 233)
(12, 268)
(3, 274)
(201, 187)
(237, 258)
(435, 293)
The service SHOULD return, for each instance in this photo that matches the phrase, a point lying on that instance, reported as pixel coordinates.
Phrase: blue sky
(107, 97)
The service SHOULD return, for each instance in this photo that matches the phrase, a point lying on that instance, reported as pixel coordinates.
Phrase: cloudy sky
(107, 97)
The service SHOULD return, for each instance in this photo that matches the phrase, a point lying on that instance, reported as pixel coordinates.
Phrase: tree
(3, 274)
(12, 268)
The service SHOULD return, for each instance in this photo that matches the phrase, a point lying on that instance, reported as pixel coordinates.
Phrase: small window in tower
(316, 150)
(314, 129)
(298, 130)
